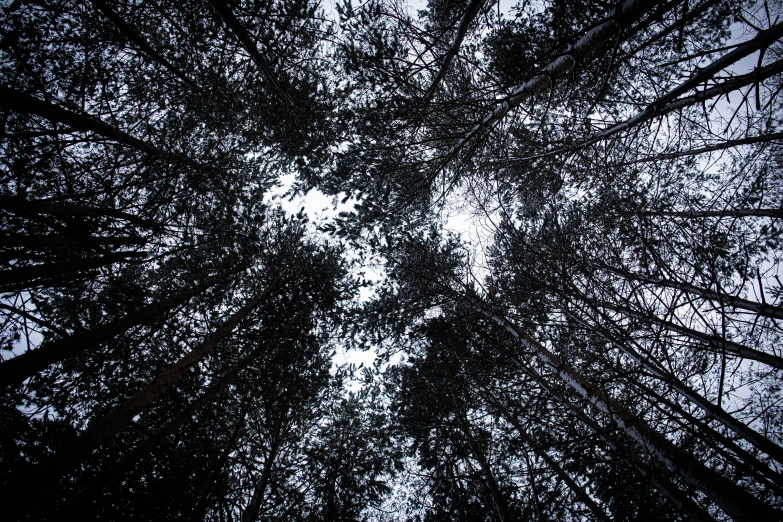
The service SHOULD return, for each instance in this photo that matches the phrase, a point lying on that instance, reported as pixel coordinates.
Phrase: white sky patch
(318, 207)
(468, 212)
(322, 209)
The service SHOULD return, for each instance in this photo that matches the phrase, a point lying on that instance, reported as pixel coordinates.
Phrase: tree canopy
(548, 289)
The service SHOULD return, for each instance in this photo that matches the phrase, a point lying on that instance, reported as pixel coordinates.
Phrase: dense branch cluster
(599, 342)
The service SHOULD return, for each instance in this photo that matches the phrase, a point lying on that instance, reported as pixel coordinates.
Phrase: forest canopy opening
(378, 261)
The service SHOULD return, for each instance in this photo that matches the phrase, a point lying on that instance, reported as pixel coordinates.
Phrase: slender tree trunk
(746, 462)
(692, 14)
(658, 108)
(762, 309)
(711, 148)
(739, 213)
(223, 9)
(13, 100)
(115, 421)
(661, 483)
(250, 514)
(16, 370)
(106, 427)
(17, 101)
(47, 241)
(37, 320)
(580, 493)
(741, 429)
(762, 40)
(200, 510)
(152, 442)
(139, 41)
(734, 500)
(713, 343)
(52, 274)
(30, 208)
(462, 30)
(489, 476)
(625, 14)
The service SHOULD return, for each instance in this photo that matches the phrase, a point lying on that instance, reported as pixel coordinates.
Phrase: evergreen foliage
(598, 341)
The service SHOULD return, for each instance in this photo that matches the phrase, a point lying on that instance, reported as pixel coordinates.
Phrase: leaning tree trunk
(56, 274)
(489, 476)
(734, 500)
(617, 20)
(712, 343)
(24, 366)
(661, 483)
(578, 490)
(757, 439)
(762, 309)
(139, 41)
(118, 419)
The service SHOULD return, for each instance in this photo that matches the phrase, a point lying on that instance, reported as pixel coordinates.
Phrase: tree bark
(16, 101)
(716, 412)
(47, 241)
(250, 514)
(738, 213)
(489, 476)
(626, 13)
(710, 148)
(462, 29)
(24, 207)
(661, 483)
(762, 309)
(223, 9)
(153, 441)
(659, 108)
(200, 510)
(106, 427)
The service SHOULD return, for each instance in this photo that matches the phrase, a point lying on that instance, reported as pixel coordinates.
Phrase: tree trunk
(223, 9)
(734, 500)
(714, 343)
(462, 29)
(710, 148)
(115, 421)
(20, 102)
(662, 483)
(139, 41)
(106, 427)
(200, 510)
(762, 309)
(741, 429)
(739, 213)
(24, 207)
(626, 13)
(17, 101)
(489, 477)
(250, 514)
(46, 241)
(658, 108)
(580, 493)
(53, 274)
(16, 370)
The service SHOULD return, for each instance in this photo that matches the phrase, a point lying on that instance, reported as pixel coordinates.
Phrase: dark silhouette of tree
(600, 339)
